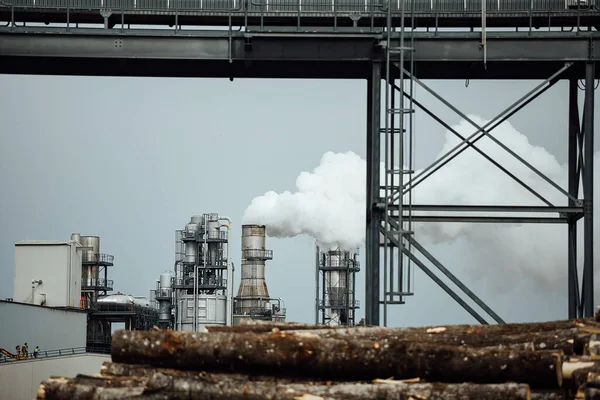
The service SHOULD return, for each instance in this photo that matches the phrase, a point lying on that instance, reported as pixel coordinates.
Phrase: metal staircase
(399, 141)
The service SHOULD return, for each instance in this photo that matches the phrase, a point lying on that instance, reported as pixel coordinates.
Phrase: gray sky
(131, 159)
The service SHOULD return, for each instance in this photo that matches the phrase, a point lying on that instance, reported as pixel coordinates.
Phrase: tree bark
(548, 395)
(570, 341)
(218, 386)
(292, 354)
(90, 388)
(589, 324)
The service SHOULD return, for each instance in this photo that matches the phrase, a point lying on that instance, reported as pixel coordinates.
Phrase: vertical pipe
(369, 211)
(573, 190)
(347, 288)
(373, 217)
(317, 287)
(588, 179)
(392, 184)
(354, 292)
(229, 286)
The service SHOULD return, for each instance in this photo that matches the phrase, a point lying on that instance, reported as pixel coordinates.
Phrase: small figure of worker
(18, 350)
(25, 350)
(36, 351)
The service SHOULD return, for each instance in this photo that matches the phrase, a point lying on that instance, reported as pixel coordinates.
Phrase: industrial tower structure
(203, 271)
(94, 270)
(392, 45)
(336, 287)
(103, 308)
(253, 300)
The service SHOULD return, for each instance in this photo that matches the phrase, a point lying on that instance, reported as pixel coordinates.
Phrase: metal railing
(337, 304)
(100, 258)
(160, 294)
(98, 338)
(216, 235)
(213, 282)
(198, 260)
(257, 254)
(106, 284)
(336, 263)
(258, 311)
(43, 354)
(127, 308)
(306, 6)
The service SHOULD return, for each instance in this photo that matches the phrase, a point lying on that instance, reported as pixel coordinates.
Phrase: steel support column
(373, 214)
(573, 155)
(588, 193)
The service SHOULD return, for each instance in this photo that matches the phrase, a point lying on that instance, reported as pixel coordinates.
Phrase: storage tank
(191, 246)
(165, 279)
(90, 255)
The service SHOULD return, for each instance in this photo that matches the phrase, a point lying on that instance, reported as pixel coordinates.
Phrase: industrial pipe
(229, 315)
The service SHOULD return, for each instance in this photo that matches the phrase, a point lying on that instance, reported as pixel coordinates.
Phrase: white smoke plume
(329, 205)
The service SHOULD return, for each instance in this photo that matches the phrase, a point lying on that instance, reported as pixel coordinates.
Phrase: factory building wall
(58, 265)
(20, 380)
(51, 329)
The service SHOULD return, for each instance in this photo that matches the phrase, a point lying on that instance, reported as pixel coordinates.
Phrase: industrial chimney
(335, 286)
(253, 300)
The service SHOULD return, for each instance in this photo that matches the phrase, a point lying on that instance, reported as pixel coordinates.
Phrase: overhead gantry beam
(511, 55)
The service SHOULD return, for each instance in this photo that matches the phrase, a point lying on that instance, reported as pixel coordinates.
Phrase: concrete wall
(57, 264)
(20, 380)
(51, 329)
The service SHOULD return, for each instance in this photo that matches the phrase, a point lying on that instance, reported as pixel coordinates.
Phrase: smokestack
(253, 294)
(337, 270)
(253, 300)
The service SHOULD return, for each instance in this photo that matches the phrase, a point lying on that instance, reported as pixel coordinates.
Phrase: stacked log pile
(550, 360)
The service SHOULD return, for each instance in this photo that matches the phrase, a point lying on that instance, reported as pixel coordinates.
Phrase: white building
(48, 272)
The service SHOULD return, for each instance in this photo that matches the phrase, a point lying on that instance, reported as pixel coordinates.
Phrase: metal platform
(302, 13)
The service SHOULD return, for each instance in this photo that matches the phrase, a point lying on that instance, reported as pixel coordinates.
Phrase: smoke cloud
(329, 205)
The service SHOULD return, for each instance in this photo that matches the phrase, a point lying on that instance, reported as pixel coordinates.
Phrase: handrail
(354, 9)
(44, 354)
(314, 6)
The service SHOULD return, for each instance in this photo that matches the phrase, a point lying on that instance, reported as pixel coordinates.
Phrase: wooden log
(590, 324)
(216, 387)
(569, 367)
(145, 371)
(570, 341)
(342, 359)
(548, 395)
(351, 391)
(90, 388)
(579, 377)
(593, 345)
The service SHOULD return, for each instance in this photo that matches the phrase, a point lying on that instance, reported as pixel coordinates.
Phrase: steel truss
(391, 214)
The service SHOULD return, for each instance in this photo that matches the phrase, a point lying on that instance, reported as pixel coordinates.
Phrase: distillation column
(164, 298)
(336, 303)
(253, 300)
(202, 272)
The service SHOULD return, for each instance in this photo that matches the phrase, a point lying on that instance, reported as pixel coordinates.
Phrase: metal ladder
(399, 143)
